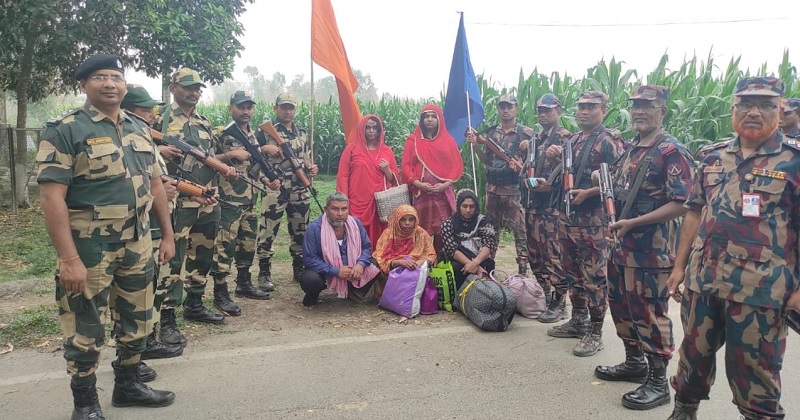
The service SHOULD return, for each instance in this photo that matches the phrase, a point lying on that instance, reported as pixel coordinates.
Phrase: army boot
(155, 350)
(556, 309)
(222, 300)
(633, 369)
(591, 342)
(168, 330)
(684, 410)
(145, 373)
(265, 276)
(193, 310)
(84, 396)
(130, 391)
(523, 266)
(576, 327)
(297, 268)
(245, 288)
(654, 392)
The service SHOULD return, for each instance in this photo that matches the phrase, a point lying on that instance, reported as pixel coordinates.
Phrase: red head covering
(440, 155)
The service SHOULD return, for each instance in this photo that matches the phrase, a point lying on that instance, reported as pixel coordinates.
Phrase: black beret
(99, 62)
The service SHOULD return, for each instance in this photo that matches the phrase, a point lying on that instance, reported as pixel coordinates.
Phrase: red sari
(360, 177)
(433, 161)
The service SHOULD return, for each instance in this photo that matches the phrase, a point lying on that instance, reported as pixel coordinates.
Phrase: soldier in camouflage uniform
(293, 197)
(542, 214)
(138, 103)
(739, 257)
(99, 179)
(195, 218)
(584, 248)
(239, 219)
(790, 119)
(651, 183)
(502, 179)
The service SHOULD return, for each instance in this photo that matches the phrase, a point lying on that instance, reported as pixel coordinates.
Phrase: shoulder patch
(792, 143)
(667, 148)
(57, 120)
(714, 146)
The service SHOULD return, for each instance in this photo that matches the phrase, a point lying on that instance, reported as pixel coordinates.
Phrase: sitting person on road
(469, 239)
(336, 254)
(404, 243)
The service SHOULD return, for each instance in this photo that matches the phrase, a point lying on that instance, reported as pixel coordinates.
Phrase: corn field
(699, 105)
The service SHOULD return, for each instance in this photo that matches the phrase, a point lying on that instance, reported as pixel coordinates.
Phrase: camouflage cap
(240, 97)
(759, 86)
(138, 96)
(286, 98)
(187, 77)
(548, 100)
(791, 104)
(508, 98)
(99, 62)
(650, 93)
(593, 97)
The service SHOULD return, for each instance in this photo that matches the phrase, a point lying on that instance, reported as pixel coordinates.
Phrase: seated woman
(469, 239)
(403, 244)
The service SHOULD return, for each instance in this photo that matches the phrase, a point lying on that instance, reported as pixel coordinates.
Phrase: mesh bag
(391, 198)
(489, 305)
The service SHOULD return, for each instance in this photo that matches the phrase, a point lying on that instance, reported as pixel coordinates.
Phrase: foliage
(25, 250)
(31, 325)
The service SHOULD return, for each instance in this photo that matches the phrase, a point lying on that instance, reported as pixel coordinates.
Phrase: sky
(406, 46)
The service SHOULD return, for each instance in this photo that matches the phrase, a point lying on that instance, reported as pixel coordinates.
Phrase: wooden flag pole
(471, 149)
(311, 113)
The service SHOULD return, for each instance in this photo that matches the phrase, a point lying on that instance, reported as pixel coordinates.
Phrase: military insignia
(769, 173)
(716, 168)
(663, 145)
(99, 140)
(674, 170)
(119, 63)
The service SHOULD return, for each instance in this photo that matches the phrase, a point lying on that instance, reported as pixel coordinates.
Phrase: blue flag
(462, 82)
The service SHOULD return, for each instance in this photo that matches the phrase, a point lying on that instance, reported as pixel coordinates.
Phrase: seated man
(336, 254)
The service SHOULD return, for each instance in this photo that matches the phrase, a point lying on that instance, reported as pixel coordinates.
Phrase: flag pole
(311, 113)
(471, 149)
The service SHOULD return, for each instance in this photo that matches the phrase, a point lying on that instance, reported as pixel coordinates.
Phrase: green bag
(445, 280)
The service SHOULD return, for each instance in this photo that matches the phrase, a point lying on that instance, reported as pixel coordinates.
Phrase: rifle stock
(288, 153)
(194, 189)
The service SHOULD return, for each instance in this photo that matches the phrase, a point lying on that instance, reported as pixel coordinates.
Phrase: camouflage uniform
(742, 269)
(107, 168)
(293, 198)
(792, 105)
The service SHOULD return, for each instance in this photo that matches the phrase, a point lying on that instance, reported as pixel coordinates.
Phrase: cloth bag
(488, 304)
(531, 301)
(403, 290)
(390, 198)
(429, 304)
(444, 279)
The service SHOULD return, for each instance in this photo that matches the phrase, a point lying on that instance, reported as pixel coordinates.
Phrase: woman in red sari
(367, 166)
(431, 164)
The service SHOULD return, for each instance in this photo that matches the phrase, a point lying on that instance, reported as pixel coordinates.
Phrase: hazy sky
(407, 45)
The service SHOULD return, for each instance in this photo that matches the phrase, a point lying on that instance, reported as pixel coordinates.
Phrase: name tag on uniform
(99, 140)
(751, 205)
(712, 169)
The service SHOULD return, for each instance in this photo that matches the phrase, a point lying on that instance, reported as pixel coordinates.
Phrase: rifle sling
(638, 180)
(585, 152)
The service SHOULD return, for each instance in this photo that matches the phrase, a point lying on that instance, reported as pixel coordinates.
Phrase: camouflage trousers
(236, 240)
(584, 256)
(297, 206)
(754, 340)
(544, 252)
(195, 233)
(508, 207)
(119, 275)
(639, 302)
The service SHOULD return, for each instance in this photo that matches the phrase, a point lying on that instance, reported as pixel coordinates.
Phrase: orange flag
(327, 50)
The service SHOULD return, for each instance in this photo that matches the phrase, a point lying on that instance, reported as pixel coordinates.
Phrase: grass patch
(25, 248)
(31, 325)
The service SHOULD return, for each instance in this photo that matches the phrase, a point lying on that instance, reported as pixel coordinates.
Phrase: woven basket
(390, 198)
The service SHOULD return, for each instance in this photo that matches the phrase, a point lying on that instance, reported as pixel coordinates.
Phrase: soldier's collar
(638, 142)
(279, 125)
(770, 147)
(96, 115)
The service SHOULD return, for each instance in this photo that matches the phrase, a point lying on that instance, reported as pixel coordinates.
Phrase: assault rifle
(793, 321)
(531, 171)
(498, 151)
(194, 189)
(208, 160)
(607, 195)
(297, 164)
(568, 174)
(267, 170)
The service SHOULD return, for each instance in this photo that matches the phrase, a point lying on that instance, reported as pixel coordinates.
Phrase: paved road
(446, 371)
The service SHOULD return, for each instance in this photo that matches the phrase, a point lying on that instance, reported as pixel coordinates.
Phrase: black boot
(223, 302)
(576, 327)
(265, 283)
(130, 391)
(522, 264)
(654, 392)
(556, 309)
(591, 342)
(193, 310)
(84, 395)
(633, 369)
(145, 373)
(168, 330)
(245, 289)
(155, 350)
(684, 410)
(297, 268)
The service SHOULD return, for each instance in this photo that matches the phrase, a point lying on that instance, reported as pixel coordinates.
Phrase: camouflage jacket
(751, 260)
(795, 133)
(607, 148)
(500, 179)
(236, 190)
(668, 178)
(297, 137)
(107, 167)
(543, 168)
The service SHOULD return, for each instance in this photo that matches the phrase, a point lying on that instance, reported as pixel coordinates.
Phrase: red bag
(429, 304)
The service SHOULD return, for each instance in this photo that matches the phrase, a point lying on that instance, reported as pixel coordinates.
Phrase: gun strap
(638, 177)
(585, 152)
(167, 114)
